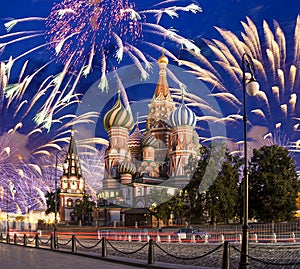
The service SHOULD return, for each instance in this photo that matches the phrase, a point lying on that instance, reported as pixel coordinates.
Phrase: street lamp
(55, 198)
(13, 191)
(7, 216)
(252, 87)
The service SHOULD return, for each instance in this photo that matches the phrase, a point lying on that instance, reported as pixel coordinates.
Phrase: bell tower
(160, 108)
(72, 184)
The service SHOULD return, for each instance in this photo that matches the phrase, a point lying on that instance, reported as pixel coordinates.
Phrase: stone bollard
(151, 252)
(140, 238)
(169, 238)
(240, 236)
(274, 238)
(226, 256)
(222, 239)
(104, 247)
(293, 237)
(148, 238)
(179, 238)
(206, 239)
(255, 238)
(193, 238)
(129, 238)
(73, 243)
(158, 238)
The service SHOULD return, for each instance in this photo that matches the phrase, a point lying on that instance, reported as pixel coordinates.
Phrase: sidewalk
(19, 257)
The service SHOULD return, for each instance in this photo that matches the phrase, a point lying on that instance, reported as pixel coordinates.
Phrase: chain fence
(262, 256)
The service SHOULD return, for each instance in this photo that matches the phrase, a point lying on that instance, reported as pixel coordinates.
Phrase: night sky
(224, 14)
(24, 140)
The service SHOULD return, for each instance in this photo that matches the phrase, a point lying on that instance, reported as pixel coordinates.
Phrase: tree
(222, 196)
(50, 201)
(83, 210)
(159, 200)
(273, 184)
(213, 189)
(195, 213)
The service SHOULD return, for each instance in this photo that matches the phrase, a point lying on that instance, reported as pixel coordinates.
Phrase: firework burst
(92, 165)
(31, 128)
(273, 112)
(86, 33)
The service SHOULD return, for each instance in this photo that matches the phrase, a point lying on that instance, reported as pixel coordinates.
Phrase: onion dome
(134, 141)
(163, 59)
(183, 116)
(126, 167)
(118, 116)
(148, 140)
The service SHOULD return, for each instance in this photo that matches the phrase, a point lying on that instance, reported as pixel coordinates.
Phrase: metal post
(244, 263)
(7, 216)
(226, 256)
(151, 252)
(104, 249)
(15, 239)
(37, 241)
(247, 63)
(73, 243)
(51, 242)
(55, 202)
(25, 240)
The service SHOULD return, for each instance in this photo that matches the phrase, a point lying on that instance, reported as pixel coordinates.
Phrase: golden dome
(163, 59)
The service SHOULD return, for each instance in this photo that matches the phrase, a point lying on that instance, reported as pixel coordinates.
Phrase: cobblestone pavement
(182, 255)
(262, 256)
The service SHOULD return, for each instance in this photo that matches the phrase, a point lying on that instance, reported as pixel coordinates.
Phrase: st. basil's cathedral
(137, 163)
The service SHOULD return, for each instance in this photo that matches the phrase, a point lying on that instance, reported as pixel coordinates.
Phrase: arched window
(72, 216)
(70, 202)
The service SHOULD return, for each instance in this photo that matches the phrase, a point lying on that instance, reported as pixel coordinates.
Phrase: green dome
(126, 167)
(118, 116)
(148, 140)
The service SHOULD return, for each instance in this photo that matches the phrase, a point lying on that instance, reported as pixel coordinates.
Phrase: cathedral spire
(72, 184)
(162, 90)
(73, 164)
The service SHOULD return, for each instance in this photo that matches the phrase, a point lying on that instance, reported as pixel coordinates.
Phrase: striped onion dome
(183, 116)
(126, 167)
(148, 140)
(134, 141)
(118, 116)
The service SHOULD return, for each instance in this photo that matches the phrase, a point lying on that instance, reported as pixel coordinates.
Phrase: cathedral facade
(137, 163)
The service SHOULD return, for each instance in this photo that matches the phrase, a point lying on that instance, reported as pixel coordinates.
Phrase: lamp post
(251, 86)
(12, 189)
(55, 198)
(7, 216)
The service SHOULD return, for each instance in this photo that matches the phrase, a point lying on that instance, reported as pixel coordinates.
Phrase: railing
(155, 247)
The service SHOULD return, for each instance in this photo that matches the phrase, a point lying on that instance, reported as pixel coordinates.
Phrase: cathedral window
(70, 202)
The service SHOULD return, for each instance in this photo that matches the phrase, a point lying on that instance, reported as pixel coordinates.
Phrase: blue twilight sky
(225, 14)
